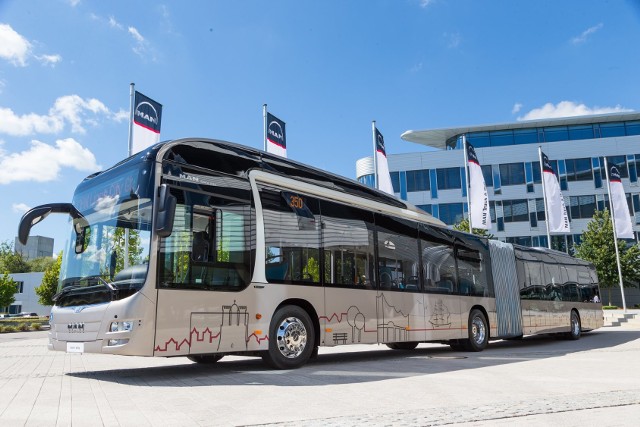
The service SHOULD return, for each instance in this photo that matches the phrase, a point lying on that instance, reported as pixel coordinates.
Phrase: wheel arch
(311, 311)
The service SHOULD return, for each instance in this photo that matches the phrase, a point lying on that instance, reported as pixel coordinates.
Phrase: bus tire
(291, 338)
(205, 359)
(575, 325)
(478, 331)
(406, 345)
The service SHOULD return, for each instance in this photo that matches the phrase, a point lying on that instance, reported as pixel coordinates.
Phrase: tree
(7, 290)
(597, 247)
(12, 261)
(464, 226)
(49, 285)
(40, 264)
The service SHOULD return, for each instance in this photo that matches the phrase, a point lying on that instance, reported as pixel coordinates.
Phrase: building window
(580, 132)
(579, 169)
(486, 173)
(512, 173)
(582, 207)
(426, 208)
(448, 178)
(540, 209)
(395, 181)
(451, 213)
(515, 210)
(556, 133)
(609, 130)
(418, 180)
(19, 287)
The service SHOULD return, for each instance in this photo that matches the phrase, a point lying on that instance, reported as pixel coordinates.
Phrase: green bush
(9, 329)
(609, 307)
(36, 326)
(23, 327)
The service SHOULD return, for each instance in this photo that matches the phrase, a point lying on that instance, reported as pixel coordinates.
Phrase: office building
(36, 247)
(435, 180)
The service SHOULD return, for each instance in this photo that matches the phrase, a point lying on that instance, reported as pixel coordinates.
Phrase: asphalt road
(535, 381)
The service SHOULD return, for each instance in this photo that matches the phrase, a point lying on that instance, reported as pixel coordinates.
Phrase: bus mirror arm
(166, 211)
(37, 214)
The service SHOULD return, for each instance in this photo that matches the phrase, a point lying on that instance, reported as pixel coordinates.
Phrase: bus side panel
(350, 316)
(445, 319)
(400, 316)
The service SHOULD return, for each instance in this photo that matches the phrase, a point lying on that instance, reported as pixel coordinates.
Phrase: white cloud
(426, 3)
(453, 40)
(568, 109)
(20, 207)
(42, 162)
(49, 59)
(516, 108)
(17, 49)
(115, 24)
(13, 47)
(586, 33)
(136, 35)
(67, 109)
(73, 3)
(141, 46)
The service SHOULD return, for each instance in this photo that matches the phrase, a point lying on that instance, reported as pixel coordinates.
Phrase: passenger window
(398, 260)
(347, 234)
(292, 236)
(211, 243)
(438, 261)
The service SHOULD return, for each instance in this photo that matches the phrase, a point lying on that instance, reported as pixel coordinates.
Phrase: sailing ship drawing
(440, 316)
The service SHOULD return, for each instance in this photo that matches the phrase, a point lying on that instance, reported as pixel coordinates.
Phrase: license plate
(75, 347)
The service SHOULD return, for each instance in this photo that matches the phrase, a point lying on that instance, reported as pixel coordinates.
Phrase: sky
(327, 68)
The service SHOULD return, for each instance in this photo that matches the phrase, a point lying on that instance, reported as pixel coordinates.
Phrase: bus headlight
(121, 326)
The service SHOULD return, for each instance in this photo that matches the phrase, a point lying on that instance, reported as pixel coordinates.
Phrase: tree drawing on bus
(356, 320)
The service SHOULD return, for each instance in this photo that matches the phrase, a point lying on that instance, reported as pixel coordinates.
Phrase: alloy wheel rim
(291, 337)
(478, 330)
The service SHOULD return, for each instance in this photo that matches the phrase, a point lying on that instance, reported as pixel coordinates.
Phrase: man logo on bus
(148, 113)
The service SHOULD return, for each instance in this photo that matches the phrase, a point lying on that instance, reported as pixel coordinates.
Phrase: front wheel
(205, 359)
(576, 327)
(478, 331)
(291, 338)
(402, 345)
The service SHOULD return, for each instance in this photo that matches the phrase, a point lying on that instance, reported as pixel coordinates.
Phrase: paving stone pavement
(535, 381)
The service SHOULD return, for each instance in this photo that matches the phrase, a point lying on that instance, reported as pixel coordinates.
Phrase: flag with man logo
(276, 136)
(478, 198)
(622, 219)
(383, 177)
(556, 210)
(147, 118)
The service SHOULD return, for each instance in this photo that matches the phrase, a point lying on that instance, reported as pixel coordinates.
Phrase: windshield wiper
(64, 291)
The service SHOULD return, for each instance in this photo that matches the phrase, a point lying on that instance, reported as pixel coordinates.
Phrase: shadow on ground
(375, 363)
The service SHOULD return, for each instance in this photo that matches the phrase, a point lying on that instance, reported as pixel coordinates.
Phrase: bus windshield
(108, 251)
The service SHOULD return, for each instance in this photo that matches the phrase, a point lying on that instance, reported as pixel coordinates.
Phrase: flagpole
(544, 197)
(466, 171)
(130, 149)
(615, 235)
(264, 122)
(131, 107)
(375, 155)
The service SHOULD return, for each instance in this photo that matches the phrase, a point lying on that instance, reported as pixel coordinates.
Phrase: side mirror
(37, 214)
(166, 211)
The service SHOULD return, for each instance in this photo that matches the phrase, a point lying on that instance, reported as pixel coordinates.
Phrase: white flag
(621, 216)
(383, 175)
(478, 198)
(147, 117)
(557, 217)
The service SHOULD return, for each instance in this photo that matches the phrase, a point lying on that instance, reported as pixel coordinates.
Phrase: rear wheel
(402, 345)
(291, 338)
(478, 331)
(576, 327)
(205, 359)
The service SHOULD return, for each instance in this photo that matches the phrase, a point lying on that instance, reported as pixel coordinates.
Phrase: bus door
(348, 275)
(444, 318)
(399, 300)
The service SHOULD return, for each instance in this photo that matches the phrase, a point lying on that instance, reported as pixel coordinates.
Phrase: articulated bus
(203, 248)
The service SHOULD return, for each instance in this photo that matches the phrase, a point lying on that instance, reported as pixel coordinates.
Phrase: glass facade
(514, 188)
(539, 135)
